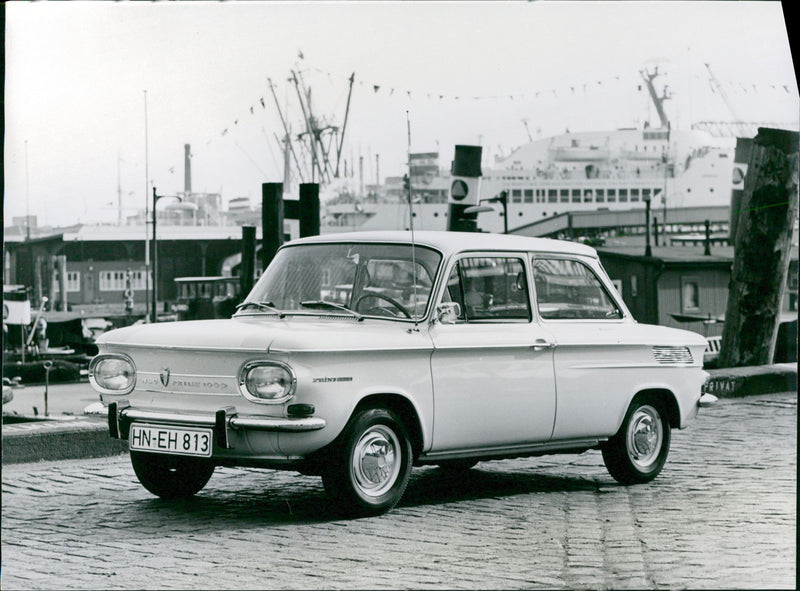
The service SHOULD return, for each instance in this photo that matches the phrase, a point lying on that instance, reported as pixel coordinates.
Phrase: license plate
(187, 441)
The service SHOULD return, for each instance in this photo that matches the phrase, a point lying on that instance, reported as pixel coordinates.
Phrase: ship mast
(344, 125)
(286, 130)
(324, 141)
(320, 162)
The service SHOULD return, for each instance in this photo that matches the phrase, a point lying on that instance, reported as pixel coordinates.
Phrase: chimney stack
(187, 167)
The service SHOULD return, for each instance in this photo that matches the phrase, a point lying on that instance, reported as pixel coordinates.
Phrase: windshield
(356, 279)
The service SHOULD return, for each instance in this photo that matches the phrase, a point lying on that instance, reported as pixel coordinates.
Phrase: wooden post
(309, 209)
(62, 278)
(762, 247)
(271, 221)
(247, 267)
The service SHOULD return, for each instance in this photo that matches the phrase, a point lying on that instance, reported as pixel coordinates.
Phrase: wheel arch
(404, 408)
(667, 399)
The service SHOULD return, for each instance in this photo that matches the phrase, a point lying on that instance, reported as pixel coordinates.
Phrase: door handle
(542, 345)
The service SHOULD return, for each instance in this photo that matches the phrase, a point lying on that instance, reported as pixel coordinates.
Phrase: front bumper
(121, 415)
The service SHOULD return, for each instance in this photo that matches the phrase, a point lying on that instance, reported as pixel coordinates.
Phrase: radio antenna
(411, 223)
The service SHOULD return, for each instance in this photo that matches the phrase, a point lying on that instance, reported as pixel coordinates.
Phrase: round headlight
(112, 374)
(267, 382)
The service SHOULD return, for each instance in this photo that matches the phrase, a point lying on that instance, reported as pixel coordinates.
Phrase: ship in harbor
(583, 171)
(606, 178)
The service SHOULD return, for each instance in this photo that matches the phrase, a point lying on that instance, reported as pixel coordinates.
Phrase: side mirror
(447, 312)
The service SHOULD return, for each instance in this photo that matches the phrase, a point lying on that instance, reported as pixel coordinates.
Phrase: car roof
(451, 242)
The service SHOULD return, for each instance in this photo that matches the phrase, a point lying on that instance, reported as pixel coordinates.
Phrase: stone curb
(59, 439)
(87, 437)
(737, 382)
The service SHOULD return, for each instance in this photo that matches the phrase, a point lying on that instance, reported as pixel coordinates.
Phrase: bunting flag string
(380, 89)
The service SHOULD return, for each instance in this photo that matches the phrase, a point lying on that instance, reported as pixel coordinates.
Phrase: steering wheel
(380, 296)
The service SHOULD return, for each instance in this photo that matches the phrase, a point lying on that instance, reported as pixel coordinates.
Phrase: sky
(101, 97)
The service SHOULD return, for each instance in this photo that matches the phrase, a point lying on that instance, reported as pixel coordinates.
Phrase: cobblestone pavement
(721, 515)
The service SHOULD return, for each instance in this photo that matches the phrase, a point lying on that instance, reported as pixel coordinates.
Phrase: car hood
(268, 334)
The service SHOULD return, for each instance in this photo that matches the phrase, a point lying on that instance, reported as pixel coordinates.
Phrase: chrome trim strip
(629, 366)
(184, 383)
(192, 392)
(185, 348)
(511, 449)
(234, 421)
(362, 350)
(185, 376)
(136, 414)
(291, 425)
(526, 346)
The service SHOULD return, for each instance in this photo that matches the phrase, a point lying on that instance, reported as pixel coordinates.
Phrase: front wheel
(638, 452)
(368, 470)
(171, 477)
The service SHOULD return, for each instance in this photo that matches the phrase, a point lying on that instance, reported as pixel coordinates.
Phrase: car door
(594, 358)
(492, 367)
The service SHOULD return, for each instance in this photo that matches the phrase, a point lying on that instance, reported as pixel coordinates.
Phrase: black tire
(171, 477)
(637, 453)
(456, 466)
(368, 469)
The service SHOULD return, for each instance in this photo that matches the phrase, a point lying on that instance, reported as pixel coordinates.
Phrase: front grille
(673, 355)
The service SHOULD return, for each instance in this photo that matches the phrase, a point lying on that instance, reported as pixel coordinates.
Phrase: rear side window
(490, 289)
(569, 289)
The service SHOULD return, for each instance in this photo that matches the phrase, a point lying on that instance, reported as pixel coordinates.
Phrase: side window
(567, 289)
(490, 289)
(454, 293)
(690, 294)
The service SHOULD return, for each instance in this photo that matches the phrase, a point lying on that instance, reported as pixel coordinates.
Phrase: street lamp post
(647, 250)
(154, 307)
(502, 199)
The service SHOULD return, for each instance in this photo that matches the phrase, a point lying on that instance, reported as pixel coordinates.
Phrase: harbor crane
(527, 130)
(722, 93)
(658, 101)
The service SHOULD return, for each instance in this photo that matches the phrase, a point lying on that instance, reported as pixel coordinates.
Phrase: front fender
(336, 383)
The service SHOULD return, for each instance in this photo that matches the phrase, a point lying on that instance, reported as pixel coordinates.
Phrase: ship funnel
(465, 188)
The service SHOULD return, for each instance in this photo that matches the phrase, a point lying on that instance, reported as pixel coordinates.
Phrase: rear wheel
(368, 470)
(638, 452)
(171, 477)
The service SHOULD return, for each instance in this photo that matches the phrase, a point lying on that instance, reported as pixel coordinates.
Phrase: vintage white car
(357, 356)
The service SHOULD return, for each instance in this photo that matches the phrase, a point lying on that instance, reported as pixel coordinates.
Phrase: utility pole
(360, 176)
(147, 279)
(154, 309)
(761, 249)
(119, 190)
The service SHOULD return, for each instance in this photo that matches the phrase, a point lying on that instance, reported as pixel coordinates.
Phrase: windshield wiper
(267, 306)
(330, 306)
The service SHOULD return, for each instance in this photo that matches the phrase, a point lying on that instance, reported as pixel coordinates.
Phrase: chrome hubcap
(376, 460)
(645, 436)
